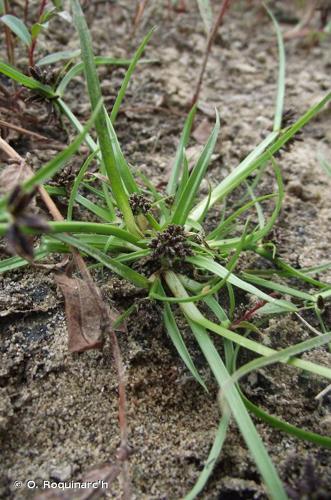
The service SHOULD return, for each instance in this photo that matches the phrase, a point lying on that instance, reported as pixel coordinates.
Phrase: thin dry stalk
(26, 10)
(123, 452)
(140, 8)
(22, 130)
(211, 37)
(300, 28)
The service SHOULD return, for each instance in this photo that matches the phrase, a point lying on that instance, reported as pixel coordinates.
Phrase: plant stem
(210, 41)
(34, 41)
(26, 10)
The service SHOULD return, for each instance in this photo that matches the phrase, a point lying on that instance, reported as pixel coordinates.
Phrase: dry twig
(211, 37)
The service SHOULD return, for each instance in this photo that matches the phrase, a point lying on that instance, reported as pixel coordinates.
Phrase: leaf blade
(186, 200)
(17, 26)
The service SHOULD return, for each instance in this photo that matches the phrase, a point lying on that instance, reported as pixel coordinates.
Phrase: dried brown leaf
(86, 313)
(13, 174)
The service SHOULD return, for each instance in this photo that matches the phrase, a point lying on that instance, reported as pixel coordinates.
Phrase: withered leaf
(13, 174)
(85, 311)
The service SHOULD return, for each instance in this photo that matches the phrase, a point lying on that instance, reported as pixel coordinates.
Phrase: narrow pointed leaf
(177, 339)
(219, 270)
(179, 158)
(188, 196)
(238, 409)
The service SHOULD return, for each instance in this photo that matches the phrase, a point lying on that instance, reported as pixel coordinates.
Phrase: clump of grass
(137, 223)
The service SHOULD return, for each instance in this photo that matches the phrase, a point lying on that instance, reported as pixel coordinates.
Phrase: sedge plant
(169, 231)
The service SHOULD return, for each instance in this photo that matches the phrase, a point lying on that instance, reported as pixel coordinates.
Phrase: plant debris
(12, 175)
(85, 313)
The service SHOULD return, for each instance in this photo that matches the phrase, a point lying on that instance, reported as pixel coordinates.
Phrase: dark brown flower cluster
(170, 244)
(17, 206)
(139, 204)
(47, 77)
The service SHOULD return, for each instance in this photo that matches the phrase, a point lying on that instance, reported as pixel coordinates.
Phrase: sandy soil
(58, 412)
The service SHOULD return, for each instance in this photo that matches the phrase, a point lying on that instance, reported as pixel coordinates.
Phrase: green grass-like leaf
(268, 147)
(117, 267)
(279, 424)
(179, 158)
(192, 312)
(281, 74)
(280, 356)
(128, 75)
(186, 200)
(237, 407)
(78, 68)
(219, 270)
(206, 13)
(26, 81)
(94, 90)
(177, 339)
(210, 463)
(16, 262)
(62, 55)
